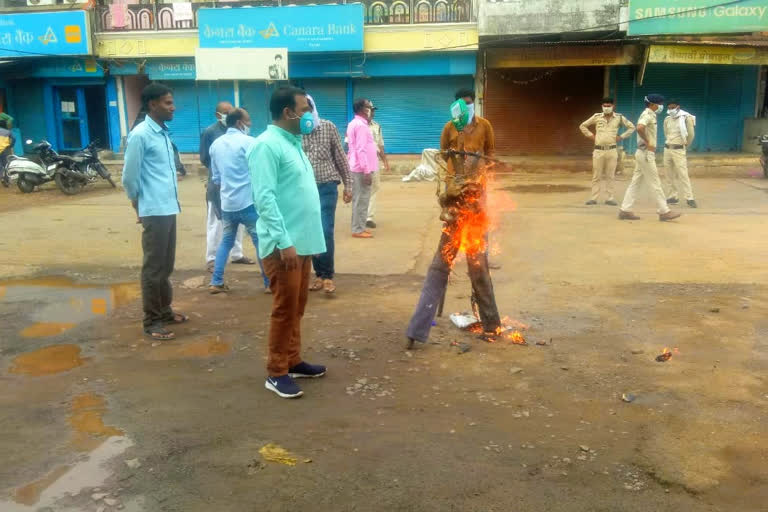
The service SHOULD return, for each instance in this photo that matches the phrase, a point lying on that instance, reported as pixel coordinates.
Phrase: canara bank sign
(333, 28)
(696, 16)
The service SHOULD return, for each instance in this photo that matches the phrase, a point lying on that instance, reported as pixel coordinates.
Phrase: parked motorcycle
(89, 164)
(28, 173)
(763, 141)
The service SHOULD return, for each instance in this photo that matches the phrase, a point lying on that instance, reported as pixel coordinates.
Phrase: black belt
(606, 147)
(674, 146)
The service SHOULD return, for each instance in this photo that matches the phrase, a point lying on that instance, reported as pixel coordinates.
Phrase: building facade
(548, 64)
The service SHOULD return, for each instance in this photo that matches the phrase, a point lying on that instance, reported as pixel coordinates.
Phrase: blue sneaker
(306, 371)
(284, 386)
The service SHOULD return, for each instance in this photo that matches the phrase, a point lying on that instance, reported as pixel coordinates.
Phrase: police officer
(645, 163)
(605, 154)
(678, 136)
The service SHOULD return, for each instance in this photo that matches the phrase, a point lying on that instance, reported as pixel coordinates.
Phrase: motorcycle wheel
(68, 185)
(24, 184)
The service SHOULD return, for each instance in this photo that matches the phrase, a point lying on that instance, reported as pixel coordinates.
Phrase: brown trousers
(290, 291)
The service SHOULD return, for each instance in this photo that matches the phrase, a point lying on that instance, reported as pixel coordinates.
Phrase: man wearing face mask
(229, 172)
(214, 226)
(645, 163)
(363, 162)
(290, 232)
(605, 153)
(678, 134)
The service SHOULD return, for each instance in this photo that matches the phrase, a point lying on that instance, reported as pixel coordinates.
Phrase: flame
(507, 331)
(666, 355)
(470, 225)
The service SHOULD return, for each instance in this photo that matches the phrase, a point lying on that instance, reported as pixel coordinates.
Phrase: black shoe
(673, 200)
(306, 371)
(692, 203)
(611, 202)
(370, 224)
(590, 202)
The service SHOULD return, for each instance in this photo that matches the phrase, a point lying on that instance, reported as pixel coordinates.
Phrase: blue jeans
(329, 196)
(231, 221)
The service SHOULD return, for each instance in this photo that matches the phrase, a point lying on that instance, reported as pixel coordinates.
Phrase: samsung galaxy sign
(317, 28)
(697, 16)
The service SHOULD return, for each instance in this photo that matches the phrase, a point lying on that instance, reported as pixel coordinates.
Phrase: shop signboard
(647, 17)
(170, 69)
(44, 33)
(700, 54)
(226, 64)
(316, 28)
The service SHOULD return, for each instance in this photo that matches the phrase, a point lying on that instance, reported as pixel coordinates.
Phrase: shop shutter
(537, 111)
(331, 97)
(254, 97)
(411, 111)
(195, 107)
(719, 96)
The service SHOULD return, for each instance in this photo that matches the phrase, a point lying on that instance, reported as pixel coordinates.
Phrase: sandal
(243, 261)
(316, 285)
(328, 286)
(179, 318)
(159, 334)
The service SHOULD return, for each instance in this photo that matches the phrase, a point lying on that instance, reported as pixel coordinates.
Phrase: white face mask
(607, 110)
(246, 129)
(471, 110)
(222, 118)
(673, 111)
(660, 109)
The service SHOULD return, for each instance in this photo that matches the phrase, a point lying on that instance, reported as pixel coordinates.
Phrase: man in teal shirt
(290, 232)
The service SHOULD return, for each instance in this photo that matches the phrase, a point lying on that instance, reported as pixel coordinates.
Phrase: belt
(674, 146)
(606, 147)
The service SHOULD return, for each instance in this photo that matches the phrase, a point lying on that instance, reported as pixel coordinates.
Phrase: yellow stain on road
(48, 361)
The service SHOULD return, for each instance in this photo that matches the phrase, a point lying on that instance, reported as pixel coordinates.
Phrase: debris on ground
(515, 370)
(665, 356)
(133, 463)
(544, 343)
(463, 320)
(276, 453)
(714, 310)
(463, 347)
(628, 397)
(366, 387)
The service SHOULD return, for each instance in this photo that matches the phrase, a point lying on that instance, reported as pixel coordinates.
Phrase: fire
(666, 355)
(467, 222)
(507, 331)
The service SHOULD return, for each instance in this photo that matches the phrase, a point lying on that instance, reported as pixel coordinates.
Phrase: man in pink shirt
(363, 162)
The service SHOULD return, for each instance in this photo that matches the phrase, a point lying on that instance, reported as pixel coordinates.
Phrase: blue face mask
(307, 123)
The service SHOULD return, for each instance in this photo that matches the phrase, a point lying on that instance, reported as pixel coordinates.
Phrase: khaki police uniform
(645, 167)
(605, 154)
(676, 178)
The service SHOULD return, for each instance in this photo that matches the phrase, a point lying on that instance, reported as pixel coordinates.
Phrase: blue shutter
(254, 97)
(411, 111)
(720, 96)
(195, 107)
(330, 94)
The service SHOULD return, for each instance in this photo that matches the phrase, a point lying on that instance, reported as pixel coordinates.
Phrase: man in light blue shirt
(290, 232)
(149, 179)
(229, 170)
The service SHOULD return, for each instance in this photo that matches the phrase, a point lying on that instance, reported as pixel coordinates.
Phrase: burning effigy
(466, 157)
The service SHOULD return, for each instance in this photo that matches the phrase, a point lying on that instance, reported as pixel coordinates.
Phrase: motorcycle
(763, 141)
(88, 164)
(28, 173)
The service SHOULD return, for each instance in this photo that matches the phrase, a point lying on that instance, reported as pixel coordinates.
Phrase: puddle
(54, 305)
(48, 361)
(545, 188)
(30, 493)
(87, 422)
(196, 349)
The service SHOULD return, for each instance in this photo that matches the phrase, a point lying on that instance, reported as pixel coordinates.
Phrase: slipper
(216, 289)
(159, 333)
(363, 234)
(328, 286)
(179, 318)
(316, 285)
(244, 261)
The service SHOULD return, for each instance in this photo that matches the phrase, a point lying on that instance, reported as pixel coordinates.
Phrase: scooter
(763, 141)
(28, 173)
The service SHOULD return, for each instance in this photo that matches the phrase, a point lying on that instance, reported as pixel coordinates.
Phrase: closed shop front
(195, 108)
(720, 96)
(537, 111)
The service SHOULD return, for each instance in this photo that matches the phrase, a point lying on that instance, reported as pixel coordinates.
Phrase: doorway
(81, 116)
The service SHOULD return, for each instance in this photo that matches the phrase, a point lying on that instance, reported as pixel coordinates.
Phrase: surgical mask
(246, 129)
(673, 111)
(471, 110)
(660, 110)
(306, 123)
(607, 110)
(222, 119)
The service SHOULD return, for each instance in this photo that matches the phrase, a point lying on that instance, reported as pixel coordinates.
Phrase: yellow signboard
(557, 56)
(412, 38)
(118, 45)
(693, 54)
